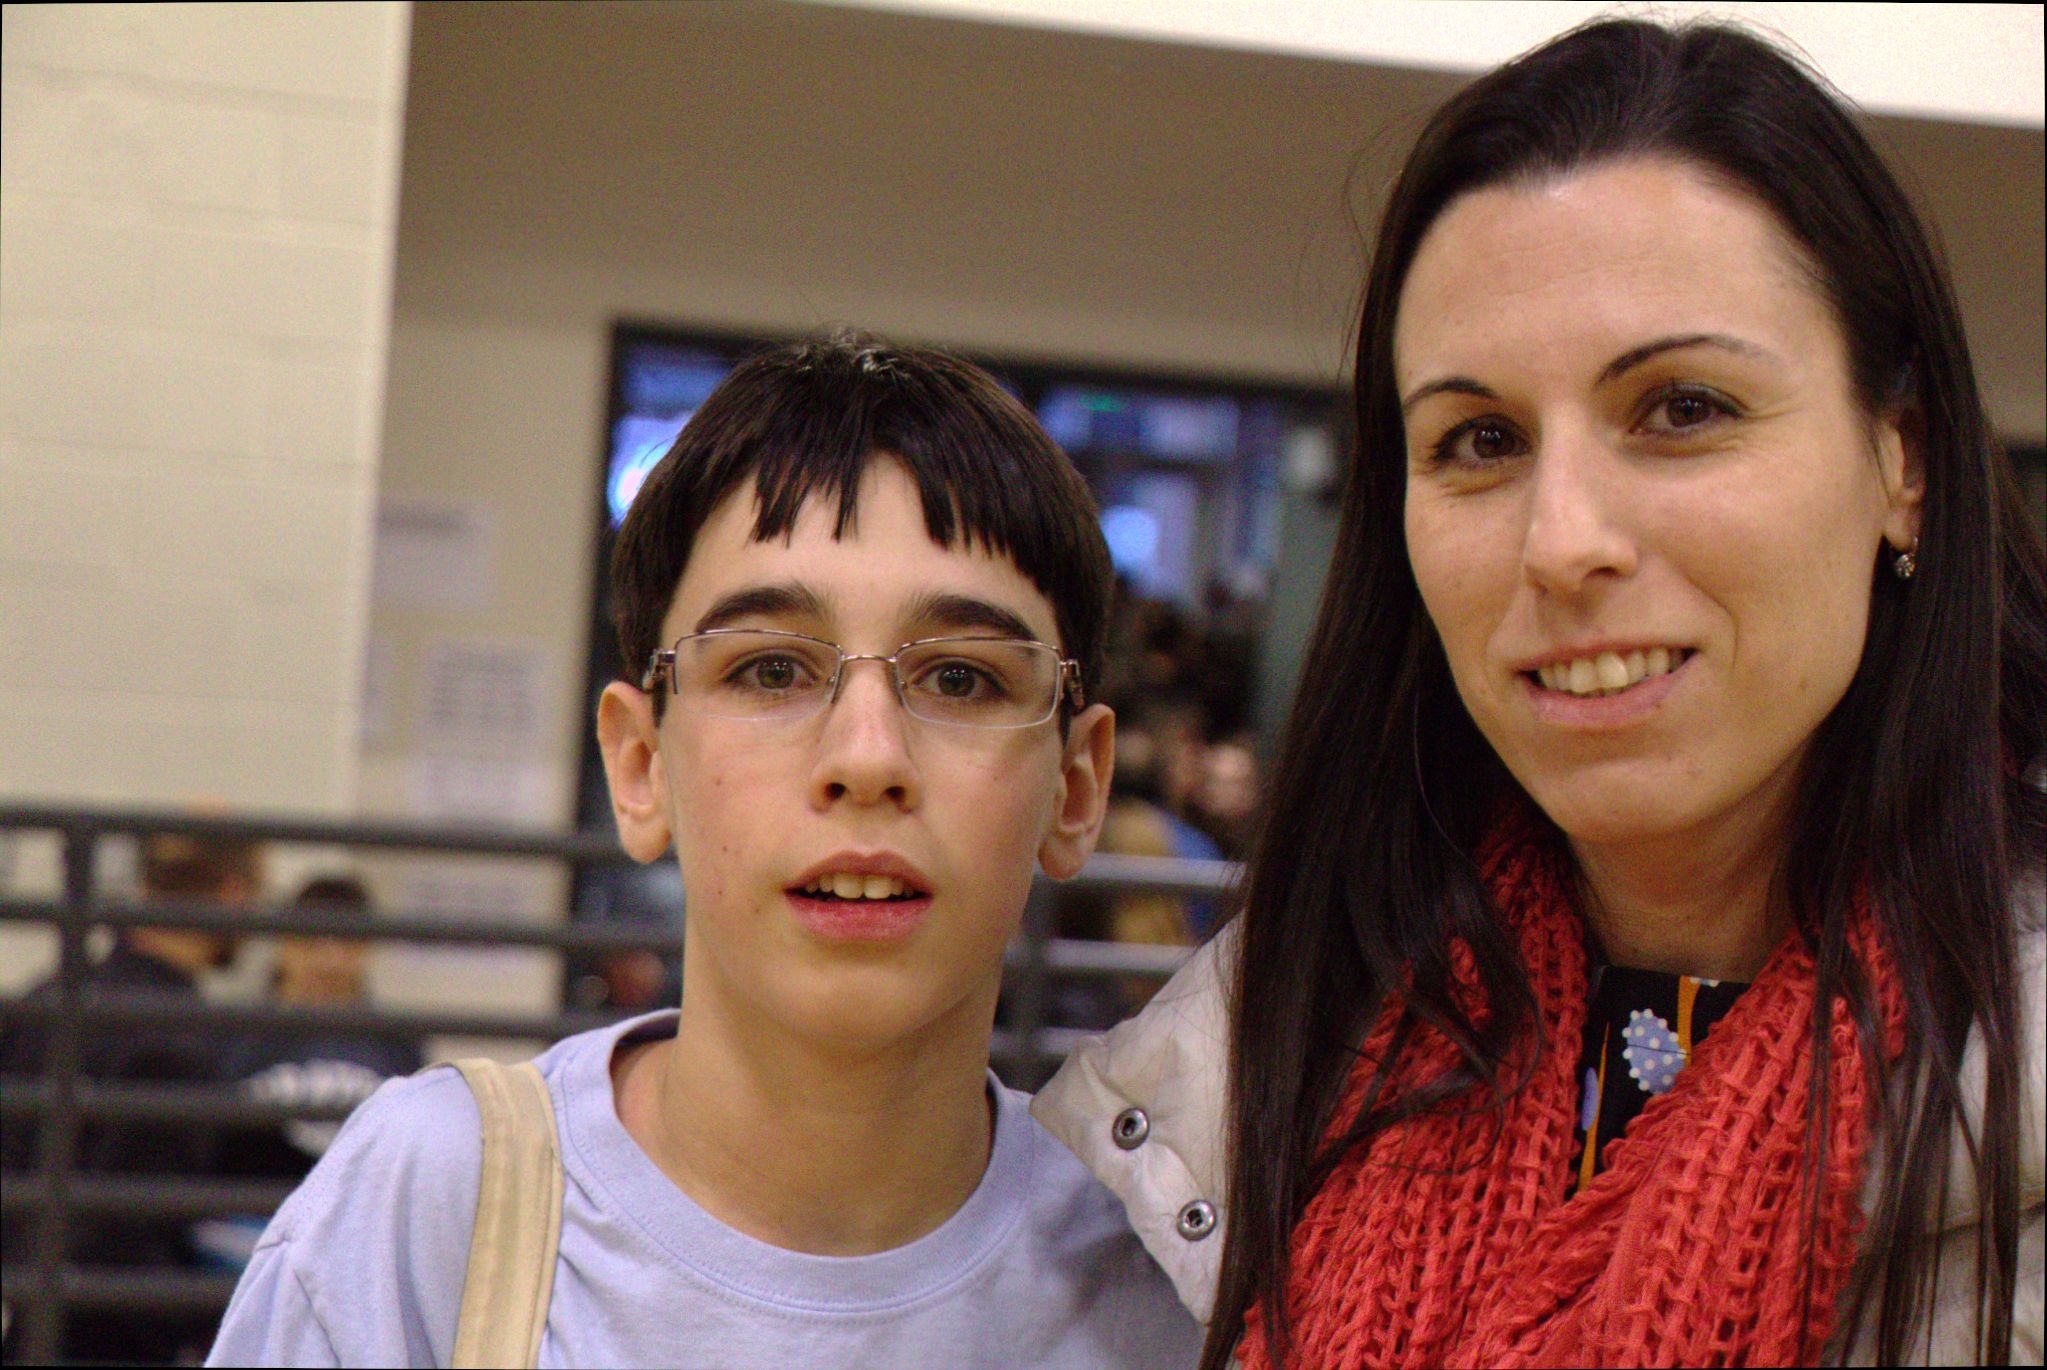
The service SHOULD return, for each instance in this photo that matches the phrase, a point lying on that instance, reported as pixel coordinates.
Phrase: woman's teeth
(845, 885)
(1610, 672)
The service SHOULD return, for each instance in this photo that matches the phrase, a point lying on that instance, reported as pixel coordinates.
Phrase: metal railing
(58, 1101)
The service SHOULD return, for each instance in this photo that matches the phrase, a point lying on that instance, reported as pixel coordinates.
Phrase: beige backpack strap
(518, 1219)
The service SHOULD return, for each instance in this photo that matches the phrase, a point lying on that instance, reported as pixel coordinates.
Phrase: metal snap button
(1130, 1128)
(1197, 1220)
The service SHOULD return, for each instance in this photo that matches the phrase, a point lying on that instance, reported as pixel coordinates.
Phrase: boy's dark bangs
(971, 486)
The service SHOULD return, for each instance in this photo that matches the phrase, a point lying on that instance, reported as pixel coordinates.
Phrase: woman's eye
(1679, 411)
(1478, 442)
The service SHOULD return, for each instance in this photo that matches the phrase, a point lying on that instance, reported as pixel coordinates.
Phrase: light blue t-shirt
(364, 1264)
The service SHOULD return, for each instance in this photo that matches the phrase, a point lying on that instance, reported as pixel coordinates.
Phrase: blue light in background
(637, 445)
(1133, 538)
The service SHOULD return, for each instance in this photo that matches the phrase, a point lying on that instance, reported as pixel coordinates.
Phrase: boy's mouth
(863, 897)
(854, 887)
(871, 878)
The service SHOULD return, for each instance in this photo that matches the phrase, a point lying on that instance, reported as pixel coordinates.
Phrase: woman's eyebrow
(958, 613)
(790, 599)
(1634, 357)
(1619, 366)
(1449, 385)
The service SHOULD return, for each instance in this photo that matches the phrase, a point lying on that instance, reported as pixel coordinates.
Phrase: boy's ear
(1088, 764)
(631, 743)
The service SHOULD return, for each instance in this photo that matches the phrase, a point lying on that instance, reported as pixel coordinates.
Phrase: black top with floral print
(1640, 1027)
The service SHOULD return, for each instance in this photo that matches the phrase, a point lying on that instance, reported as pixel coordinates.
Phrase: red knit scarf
(1448, 1240)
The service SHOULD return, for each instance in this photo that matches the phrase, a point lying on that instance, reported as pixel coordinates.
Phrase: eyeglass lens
(976, 682)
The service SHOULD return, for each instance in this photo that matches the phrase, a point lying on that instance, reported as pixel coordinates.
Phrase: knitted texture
(1450, 1240)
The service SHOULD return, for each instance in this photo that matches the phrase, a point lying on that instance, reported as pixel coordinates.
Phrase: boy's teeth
(1609, 671)
(847, 885)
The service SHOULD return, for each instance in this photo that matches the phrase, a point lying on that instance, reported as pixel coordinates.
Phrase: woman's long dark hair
(1363, 874)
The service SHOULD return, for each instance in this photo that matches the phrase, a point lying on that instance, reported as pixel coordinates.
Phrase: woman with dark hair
(1641, 960)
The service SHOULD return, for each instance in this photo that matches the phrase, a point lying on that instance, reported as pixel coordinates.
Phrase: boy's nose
(864, 752)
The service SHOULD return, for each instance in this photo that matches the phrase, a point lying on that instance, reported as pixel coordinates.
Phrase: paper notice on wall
(483, 698)
(435, 553)
(495, 792)
(482, 750)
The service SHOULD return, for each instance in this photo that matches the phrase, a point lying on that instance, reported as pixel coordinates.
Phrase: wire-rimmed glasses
(763, 675)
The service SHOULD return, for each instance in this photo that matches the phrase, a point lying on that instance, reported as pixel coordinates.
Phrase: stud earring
(1906, 562)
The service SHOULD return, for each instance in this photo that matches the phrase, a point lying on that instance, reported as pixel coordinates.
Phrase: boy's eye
(773, 674)
(777, 673)
(956, 680)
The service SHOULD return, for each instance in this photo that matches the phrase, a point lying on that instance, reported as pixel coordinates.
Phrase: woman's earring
(1906, 562)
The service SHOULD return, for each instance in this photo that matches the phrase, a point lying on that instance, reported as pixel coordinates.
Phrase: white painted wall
(197, 210)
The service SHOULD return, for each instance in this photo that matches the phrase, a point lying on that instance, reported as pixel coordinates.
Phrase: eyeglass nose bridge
(895, 676)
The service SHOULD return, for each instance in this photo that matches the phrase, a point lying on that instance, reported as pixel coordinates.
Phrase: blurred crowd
(327, 1071)
(1188, 780)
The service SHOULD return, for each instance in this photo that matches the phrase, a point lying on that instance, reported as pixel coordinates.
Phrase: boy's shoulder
(365, 1262)
(368, 1255)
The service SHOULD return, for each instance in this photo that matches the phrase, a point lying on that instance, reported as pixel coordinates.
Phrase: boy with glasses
(861, 602)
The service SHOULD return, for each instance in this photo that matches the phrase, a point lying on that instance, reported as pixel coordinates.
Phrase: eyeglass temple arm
(660, 662)
(1069, 682)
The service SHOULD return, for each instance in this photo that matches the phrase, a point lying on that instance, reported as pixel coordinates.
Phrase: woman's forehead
(1604, 255)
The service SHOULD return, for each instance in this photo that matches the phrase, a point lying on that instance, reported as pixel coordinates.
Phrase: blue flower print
(1652, 1052)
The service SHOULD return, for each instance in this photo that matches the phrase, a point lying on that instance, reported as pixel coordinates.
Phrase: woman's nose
(1576, 532)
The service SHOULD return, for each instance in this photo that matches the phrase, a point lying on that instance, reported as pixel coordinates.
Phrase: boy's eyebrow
(960, 613)
(791, 599)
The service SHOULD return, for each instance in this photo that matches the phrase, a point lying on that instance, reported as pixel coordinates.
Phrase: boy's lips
(875, 865)
(885, 897)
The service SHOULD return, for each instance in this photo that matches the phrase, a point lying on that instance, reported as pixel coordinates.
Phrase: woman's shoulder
(1142, 1107)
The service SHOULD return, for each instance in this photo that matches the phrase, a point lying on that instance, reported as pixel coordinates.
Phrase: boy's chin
(867, 1010)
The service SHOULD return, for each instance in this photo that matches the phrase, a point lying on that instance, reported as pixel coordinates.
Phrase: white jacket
(1142, 1106)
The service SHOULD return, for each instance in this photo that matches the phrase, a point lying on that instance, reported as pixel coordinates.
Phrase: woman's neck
(1701, 903)
(829, 1153)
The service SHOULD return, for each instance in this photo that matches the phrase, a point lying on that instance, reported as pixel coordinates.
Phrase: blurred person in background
(338, 1068)
(633, 981)
(1226, 798)
(332, 1070)
(162, 963)
(1137, 824)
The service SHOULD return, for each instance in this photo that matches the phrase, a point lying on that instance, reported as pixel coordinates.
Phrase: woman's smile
(1607, 690)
